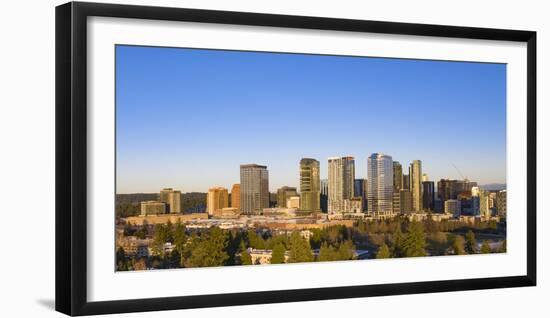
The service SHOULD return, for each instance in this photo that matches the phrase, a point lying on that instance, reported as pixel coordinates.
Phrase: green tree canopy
(300, 250)
(398, 250)
(383, 251)
(246, 259)
(471, 244)
(485, 248)
(278, 254)
(210, 251)
(414, 243)
(458, 245)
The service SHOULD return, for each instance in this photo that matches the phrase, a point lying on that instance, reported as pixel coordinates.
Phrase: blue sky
(187, 118)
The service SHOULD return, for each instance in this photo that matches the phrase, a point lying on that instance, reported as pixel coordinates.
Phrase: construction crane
(460, 173)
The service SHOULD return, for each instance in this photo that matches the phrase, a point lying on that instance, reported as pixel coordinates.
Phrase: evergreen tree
(121, 260)
(502, 248)
(346, 251)
(159, 239)
(485, 248)
(383, 251)
(471, 244)
(278, 254)
(300, 250)
(211, 250)
(458, 245)
(397, 249)
(414, 243)
(246, 259)
(326, 253)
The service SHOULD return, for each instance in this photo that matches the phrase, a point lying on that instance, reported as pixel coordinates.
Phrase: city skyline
(162, 146)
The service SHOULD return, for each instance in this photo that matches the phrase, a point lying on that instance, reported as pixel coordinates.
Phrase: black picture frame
(71, 157)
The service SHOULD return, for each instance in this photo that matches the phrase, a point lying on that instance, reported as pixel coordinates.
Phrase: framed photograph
(210, 158)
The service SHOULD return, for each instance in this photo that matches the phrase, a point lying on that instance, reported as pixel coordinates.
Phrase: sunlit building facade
(380, 183)
(310, 185)
(254, 188)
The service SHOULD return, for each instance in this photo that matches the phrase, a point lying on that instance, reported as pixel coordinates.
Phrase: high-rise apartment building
(324, 195)
(360, 190)
(405, 201)
(310, 185)
(380, 183)
(450, 189)
(397, 176)
(283, 193)
(216, 200)
(341, 174)
(415, 174)
(172, 198)
(236, 197)
(406, 182)
(428, 195)
(254, 188)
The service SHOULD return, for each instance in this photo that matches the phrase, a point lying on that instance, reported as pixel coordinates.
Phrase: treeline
(129, 204)
(412, 240)
(431, 226)
(217, 247)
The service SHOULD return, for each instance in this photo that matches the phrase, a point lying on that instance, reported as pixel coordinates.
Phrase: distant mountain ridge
(493, 186)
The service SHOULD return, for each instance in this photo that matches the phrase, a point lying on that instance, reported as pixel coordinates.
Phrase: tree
(300, 250)
(485, 248)
(278, 254)
(210, 251)
(140, 264)
(383, 251)
(346, 251)
(159, 239)
(502, 248)
(458, 245)
(326, 253)
(471, 244)
(246, 259)
(142, 232)
(414, 243)
(180, 240)
(121, 260)
(397, 249)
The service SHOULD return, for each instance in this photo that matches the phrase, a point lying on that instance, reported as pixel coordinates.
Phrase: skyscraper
(397, 176)
(217, 199)
(450, 189)
(405, 201)
(324, 195)
(310, 185)
(415, 174)
(341, 174)
(428, 195)
(360, 189)
(236, 196)
(283, 193)
(254, 188)
(406, 182)
(172, 198)
(380, 181)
